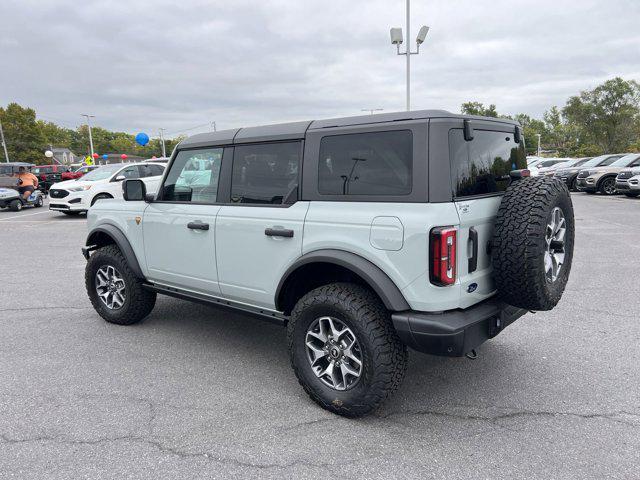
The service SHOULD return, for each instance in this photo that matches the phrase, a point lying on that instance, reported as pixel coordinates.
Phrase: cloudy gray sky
(142, 64)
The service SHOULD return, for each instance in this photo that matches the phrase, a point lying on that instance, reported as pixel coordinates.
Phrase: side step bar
(266, 314)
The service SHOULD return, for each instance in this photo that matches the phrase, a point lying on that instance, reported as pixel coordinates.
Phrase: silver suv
(363, 236)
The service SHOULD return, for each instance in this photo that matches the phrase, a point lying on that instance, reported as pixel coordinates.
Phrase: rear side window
(265, 173)
(482, 165)
(376, 163)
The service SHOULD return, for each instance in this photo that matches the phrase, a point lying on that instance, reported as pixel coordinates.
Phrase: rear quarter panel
(348, 226)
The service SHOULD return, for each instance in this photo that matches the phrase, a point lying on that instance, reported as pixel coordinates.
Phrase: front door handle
(198, 226)
(278, 232)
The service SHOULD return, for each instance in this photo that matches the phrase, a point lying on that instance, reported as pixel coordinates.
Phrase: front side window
(193, 177)
(265, 173)
(376, 163)
(481, 166)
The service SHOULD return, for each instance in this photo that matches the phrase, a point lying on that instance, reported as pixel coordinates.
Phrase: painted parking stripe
(25, 215)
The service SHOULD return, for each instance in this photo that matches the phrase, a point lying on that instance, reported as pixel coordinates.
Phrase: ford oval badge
(472, 288)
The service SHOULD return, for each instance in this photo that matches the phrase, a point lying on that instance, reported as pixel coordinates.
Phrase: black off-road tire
(139, 302)
(384, 356)
(518, 245)
(15, 205)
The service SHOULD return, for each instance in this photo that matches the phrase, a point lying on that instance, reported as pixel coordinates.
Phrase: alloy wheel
(554, 251)
(609, 186)
(110, 287)
(334, 353)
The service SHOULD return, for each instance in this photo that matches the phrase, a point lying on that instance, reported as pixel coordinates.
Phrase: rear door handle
(198, 225)
(473, 261)
(278, 232)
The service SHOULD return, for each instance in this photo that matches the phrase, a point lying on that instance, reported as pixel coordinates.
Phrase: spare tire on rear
(532, 244)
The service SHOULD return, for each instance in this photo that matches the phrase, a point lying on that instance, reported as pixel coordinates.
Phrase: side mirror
(119, 178)
(134, 190)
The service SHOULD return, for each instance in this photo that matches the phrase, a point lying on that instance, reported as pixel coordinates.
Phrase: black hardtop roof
(297, 130)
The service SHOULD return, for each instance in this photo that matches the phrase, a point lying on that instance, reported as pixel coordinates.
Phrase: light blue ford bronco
(362, 235)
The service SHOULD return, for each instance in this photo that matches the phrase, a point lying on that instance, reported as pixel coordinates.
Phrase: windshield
(580, 161)
(101, 173)
(548, 163)
(595, 161)
(625, 161)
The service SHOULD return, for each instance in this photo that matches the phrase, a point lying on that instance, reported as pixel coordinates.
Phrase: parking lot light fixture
(89, 117)
(396, 39)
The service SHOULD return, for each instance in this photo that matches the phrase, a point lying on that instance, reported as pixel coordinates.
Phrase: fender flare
(379, 281)
(120, 240)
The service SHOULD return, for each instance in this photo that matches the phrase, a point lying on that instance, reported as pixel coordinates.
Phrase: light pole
(396, 39)
(538, 135)
(371, 110)
(89, 117)
(164, 153)
(4, 144)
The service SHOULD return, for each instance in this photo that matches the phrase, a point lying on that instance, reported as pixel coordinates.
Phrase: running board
(266, 314)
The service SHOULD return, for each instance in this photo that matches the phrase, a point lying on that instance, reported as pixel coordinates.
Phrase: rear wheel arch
(111, 235)
(323, 267)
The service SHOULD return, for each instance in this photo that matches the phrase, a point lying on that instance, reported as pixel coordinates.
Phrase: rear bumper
(456, 332)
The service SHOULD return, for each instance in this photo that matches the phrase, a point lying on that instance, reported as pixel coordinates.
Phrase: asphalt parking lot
(198, 392)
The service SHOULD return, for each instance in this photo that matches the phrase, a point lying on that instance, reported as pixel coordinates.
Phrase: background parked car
(72, 175)
(569, 174)
(603, 179)
(48, 175)
(628, 182)
(539, 168)
(158, 160)
(72, 197)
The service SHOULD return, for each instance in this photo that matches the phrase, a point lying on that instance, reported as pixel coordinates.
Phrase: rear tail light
(442, 249)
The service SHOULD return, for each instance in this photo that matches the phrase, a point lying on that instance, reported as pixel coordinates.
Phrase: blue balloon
(142, 138)
(105, 156)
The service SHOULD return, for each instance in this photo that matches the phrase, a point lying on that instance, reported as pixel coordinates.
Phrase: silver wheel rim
(609, 186)
(110, 287)
(554, 252)
(334, 353)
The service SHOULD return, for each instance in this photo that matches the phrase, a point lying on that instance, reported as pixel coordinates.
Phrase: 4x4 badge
(138, 220)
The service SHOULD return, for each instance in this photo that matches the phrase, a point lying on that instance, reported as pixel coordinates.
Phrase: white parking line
(25, 215)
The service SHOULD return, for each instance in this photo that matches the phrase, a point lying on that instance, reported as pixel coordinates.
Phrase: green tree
(532, 127)
(477, 108)
(24, 140)
(606, 116)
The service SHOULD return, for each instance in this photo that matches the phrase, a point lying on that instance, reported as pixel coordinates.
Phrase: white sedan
(72, 197)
